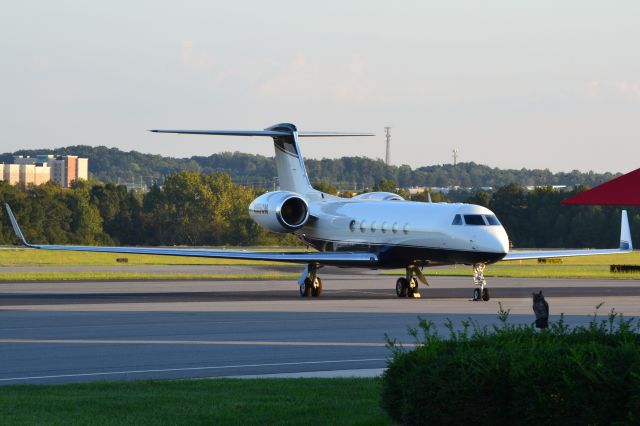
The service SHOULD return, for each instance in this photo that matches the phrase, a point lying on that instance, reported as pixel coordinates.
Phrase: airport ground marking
(170, 370)
(191, 342)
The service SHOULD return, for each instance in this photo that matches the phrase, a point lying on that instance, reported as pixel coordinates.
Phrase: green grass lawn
(193, 402)
(34, 257)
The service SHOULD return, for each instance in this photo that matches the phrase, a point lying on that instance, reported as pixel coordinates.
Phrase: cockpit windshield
(492, 220)
(476, 219)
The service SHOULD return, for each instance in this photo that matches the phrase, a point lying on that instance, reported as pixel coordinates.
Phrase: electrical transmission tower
(387, 132)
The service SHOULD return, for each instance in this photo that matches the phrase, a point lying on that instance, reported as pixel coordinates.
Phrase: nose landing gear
(480, 292)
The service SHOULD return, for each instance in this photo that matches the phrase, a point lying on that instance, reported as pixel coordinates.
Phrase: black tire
(305, 288)
(402, 287)
(316, 291)
(485, 295)
(476, 294)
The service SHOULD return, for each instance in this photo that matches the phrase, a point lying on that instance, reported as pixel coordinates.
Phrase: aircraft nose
(498, 241)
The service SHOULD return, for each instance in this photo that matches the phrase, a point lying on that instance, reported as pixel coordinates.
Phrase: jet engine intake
(280, 211)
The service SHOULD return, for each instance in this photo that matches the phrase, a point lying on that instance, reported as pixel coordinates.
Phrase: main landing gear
(310, 283)
(407, 286)
(481, 292)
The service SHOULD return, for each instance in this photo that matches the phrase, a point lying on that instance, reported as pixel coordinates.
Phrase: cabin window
(457, 220)
(492, 220)
(363, 226)
(352, 225)
(373, 226)
(383, 227)
(394, 228)
(474, 219)
(405, 229)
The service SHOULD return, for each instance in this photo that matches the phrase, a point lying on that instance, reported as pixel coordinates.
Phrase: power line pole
(387, 132)
(455, 156)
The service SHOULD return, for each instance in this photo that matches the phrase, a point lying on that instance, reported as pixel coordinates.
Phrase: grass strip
(350, 401)
(34, 257)
(121, 276)
(533, 271)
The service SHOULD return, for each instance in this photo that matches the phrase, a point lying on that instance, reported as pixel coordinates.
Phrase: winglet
(625, 233)
(16, 228)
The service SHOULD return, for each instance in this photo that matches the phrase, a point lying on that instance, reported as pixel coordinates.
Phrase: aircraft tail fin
(292, 173)
(625, 233)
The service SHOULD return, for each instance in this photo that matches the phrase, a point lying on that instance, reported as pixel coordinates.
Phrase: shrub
(512, 374)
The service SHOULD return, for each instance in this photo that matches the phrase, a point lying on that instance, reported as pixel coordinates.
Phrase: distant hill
(114, 165)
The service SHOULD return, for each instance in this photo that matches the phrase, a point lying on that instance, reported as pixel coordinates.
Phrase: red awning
(621, 191)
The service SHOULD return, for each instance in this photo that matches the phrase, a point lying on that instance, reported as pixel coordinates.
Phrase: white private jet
(374, 230)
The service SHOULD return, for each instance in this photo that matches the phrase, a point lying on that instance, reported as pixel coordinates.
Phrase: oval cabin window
(394, 228)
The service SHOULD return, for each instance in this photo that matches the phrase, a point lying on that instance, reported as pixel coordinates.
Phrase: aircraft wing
(325, 258)
(626, 246)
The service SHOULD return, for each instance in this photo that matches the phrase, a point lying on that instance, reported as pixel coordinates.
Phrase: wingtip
(16, 227)
(625, 233)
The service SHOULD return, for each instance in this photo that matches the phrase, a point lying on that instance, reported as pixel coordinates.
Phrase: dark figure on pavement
(541, 309)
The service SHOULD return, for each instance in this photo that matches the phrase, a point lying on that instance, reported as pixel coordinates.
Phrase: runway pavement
(56, 332)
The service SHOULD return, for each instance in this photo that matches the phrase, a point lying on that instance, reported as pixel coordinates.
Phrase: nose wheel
(479, 294)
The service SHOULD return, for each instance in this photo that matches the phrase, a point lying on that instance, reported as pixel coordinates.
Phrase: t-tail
(292, 173)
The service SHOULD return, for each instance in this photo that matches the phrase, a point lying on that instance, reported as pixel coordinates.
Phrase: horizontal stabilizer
(271, 133)
(331, 134)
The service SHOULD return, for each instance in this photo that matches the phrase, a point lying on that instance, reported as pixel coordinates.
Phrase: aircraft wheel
(485, 295)
(305, 288)
(316, 290)
(402, 287)
(476, 294)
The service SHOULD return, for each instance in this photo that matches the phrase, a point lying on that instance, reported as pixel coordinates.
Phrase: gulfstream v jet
(373, 230)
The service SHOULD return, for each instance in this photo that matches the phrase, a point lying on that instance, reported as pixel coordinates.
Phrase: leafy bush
(512, 374)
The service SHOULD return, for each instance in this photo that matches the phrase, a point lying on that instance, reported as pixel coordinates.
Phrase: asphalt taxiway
(55, 332)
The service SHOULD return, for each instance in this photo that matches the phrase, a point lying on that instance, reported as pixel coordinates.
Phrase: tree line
(189, 209)
(192, 208)
(114, 165)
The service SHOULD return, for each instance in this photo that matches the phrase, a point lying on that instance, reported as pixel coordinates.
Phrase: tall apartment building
(65, 170)
(43, 168)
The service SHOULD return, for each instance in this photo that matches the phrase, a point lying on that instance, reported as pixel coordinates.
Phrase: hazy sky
(537, 84)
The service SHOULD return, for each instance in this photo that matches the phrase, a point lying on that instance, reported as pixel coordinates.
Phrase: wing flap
(325, 258)
(545, 254)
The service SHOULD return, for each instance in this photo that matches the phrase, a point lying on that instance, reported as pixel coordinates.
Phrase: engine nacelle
(280, 211)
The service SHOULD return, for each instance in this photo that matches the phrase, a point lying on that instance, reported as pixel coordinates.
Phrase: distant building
(11, 173)
(44, 168)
